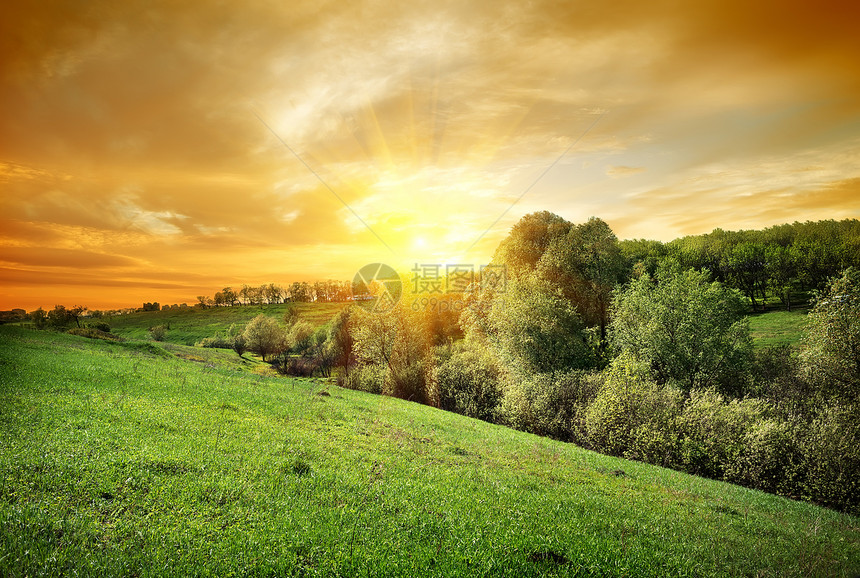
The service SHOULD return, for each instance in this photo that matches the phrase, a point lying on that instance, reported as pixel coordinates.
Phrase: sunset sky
(146, 147)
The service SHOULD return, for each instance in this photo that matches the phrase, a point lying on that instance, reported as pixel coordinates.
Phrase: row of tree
(780, 262)
(271, 293)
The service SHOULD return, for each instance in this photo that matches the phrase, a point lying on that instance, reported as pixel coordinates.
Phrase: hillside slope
(121, 458)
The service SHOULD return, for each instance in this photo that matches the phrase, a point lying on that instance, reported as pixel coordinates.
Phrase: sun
(419, 243)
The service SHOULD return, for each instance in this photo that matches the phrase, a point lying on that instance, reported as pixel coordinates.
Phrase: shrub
(551, 404)
(412, 381)
(769, 458)
(713, 432)
(831, 453)
(158, 333)
(93, 333)
(100, 325)
(297, 366)
(369, 378)
(778, 378)
(468, 384)
(633, 416)
(217, 341)
(265, 337)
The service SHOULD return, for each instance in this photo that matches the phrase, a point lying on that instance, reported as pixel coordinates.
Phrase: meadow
(778, 327)
(140, 459)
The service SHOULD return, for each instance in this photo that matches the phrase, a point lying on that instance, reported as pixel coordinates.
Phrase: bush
(831, 453)
(468, 384)
(369, 378)
(769, 458)
(158, 333)
(551, 404)
(297, 366)
(713, 432)
(411, 380)
(93, 333)
(777, 378)
(100, 325)
(217, 341)
(633, 416)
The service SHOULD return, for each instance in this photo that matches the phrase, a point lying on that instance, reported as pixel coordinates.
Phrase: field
(128, 459)
(188, 326)
(778, 327)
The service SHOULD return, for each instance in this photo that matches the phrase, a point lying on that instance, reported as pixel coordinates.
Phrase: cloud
(623, 171)
(129, 129)
(39, 256)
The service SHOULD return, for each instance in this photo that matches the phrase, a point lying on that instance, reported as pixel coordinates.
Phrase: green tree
(61, 317)
(265, 337)
(39, 318)
(231, 298)
(831, 348)
(688, 329)
(528, 240)
(585, 265)
(537, 330)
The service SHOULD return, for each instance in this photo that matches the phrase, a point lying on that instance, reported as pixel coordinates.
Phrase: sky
(156, 151)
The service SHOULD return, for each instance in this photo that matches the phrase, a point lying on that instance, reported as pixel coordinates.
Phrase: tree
(230, 296)
(781, 272)
(585, 265)
(301, 292)
(745, 268)
(39, 318)
(272, 293)
(265, 337)
(537, 330)
(688, 329)
(342, 342)
(528, 240)
(61, 317)
(831, 348)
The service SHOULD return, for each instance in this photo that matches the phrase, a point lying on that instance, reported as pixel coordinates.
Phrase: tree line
(779, 262)
(271, 293)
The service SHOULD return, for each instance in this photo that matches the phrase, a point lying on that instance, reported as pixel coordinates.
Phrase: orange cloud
(132, 152)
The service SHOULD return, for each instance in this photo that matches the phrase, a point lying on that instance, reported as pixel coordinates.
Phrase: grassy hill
(188, 326)
(124, 458)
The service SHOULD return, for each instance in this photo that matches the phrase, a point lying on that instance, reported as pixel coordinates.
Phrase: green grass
(124, 459)
(188, 326)
(778, 327)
